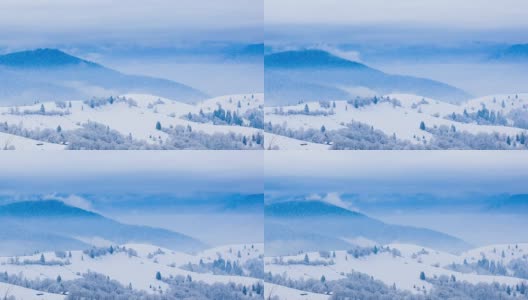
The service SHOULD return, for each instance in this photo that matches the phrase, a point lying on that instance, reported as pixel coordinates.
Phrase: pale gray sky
(28, 22)
(131, 171)
(397, 171)
(65, 15)
(470, 14)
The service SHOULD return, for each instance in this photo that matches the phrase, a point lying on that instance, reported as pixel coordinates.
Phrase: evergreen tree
(158, 125)
(158, 275)
(306, 109)
(422, 125)
(42, 109)
(422, 276)
(59, 279)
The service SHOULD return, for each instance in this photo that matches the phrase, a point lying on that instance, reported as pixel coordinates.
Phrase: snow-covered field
(137, 117)
(402, 270)
(402, 121)
(138, 271)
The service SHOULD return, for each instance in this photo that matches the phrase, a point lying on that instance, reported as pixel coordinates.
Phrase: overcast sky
(442, 22)
(443, 13)
(435, 172)
(24, 21)
(131, 172)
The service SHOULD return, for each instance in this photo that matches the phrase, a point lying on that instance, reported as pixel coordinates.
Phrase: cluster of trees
(449, 288)
(361, 286)
(98, 102)
(445, 137)
(361, 136)
(305, 111)
(362, 102)
(40, 261)
(97, 286)
(96, 136)
(102, 251)
(41, 111)
(516, 267)
(359, 251)
(305, 261)
(519, 267)
(220, 116)
(482, 116)
(356, 136)
(185, 288)
(181, 137)
(519, 118)
(251, 268)
(483, 266)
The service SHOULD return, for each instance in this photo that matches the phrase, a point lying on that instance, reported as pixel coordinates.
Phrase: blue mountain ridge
(317, 225)
(28, 226)
(313, 75)
(53, 75)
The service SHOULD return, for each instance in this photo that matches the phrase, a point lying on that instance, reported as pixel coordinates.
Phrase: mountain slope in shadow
(313, 75)
(52, 225)
(295, 226)
(52, 75)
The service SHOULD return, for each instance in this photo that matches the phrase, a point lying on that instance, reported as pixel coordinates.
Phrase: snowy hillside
(135, 121)
(139, 267)
(403, 121)
(407, 268)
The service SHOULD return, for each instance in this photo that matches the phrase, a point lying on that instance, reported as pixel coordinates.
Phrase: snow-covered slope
(138, 269)
(279, 142)
(22, 293)
(401, 266)
(400, 117)
(401, 269)
(15, 142)
(285, 293)
(134, 115)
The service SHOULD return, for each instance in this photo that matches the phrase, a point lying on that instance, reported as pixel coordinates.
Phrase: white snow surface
(403, 271)
(402, 121)
(139, 120)
(140, 270)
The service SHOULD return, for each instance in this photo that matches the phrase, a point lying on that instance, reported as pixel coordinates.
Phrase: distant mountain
(42, 58)
(290, 209)
(253, 203)
(294, 226)
(309, 59)
(245, 52)
(518, 52)
(312, 75)
(50, 74)
(33, 225)
(512, 204)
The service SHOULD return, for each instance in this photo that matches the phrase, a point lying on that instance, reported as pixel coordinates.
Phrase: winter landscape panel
(162, 75)
(131, 225)
(396, 225)
(363, 75)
